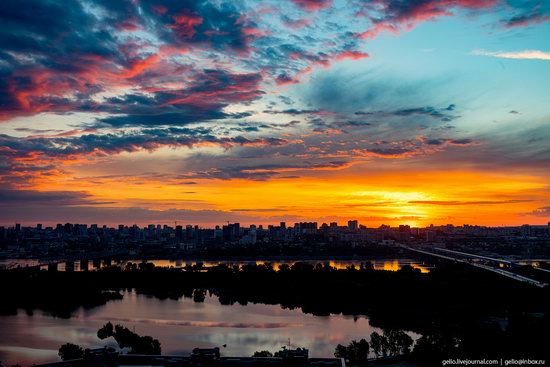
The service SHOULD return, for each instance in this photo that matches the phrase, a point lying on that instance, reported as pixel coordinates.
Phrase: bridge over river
(69, 260)
(481, 262)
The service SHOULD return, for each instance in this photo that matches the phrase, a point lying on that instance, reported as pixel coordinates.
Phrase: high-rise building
(188, 232)
(353, 224)
(226, 233)
(179, 233)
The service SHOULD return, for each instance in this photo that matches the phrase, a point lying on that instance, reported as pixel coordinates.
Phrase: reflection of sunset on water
(379, 264)
(182, 325)
(396, 265)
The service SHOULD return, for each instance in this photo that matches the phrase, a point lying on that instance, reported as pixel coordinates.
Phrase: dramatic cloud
(18, 198)
(266, 171)
(443, 114)
(528, 14)
(223, 95)
(395, 15)
(50, 67)
(94, 144)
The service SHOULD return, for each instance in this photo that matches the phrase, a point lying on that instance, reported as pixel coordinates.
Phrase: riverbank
(454, 307)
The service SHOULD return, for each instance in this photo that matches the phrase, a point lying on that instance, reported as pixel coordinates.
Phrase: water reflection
(379, 264)
(180, 326)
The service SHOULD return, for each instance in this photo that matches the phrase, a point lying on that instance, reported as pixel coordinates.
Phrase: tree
(398, 342)
(432, 348)
(128, 339)
(70, 351)
(263, 353)
(357, 352)
(379, 344)
(106, 331)
(341, 351)
(199, 295)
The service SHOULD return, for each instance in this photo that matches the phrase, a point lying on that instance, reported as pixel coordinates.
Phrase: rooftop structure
(206, 357)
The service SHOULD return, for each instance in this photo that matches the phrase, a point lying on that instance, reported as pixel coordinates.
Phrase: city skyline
(350, 223)
(387, 111)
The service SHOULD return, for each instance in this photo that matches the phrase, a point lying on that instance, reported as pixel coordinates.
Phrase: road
(502, 272)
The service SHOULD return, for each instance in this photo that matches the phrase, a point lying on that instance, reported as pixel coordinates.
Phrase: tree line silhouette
(458, 310)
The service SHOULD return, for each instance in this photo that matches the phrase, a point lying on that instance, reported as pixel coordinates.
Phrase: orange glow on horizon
(374, 198)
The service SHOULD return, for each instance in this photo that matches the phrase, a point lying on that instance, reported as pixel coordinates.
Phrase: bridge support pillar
(52, 267)
(97, 263)
(69, 266)
(83, 265)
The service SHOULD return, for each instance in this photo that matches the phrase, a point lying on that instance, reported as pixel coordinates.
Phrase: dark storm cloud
(47, 28)
(10, 198)
(526, 19)
(45, 59)
(449, 141)
(202, 100)
(32, 213)
(114, 143)
(442, 114)
(393, 15)
(528, 13)
(262, 172)
(37, 40)
(200, 22)
(355, 123)
(292, 112)
(49, 67)
(86, 56)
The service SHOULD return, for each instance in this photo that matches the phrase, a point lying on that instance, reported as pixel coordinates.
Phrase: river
(181, 325)
(379, 264)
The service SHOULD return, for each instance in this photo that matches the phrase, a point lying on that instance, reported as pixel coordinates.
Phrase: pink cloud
(354, 55)
(313, 5)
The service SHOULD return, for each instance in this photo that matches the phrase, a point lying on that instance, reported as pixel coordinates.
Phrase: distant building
(353, 225)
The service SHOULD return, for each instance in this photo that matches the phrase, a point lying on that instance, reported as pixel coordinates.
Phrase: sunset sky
(202, 112)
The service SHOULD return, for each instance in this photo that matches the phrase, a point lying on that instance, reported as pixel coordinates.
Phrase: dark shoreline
(452, 302)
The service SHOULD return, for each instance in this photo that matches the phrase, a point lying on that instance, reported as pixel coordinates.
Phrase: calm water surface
(180, 326)
(379, 264)
(183, 324)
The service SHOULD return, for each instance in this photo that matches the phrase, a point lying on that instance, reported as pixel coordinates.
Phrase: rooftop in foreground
(108, 357)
